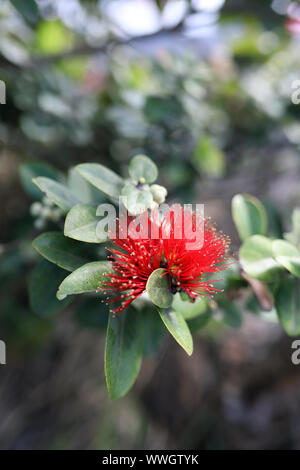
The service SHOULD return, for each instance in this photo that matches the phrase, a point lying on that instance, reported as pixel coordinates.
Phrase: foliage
(200, 121)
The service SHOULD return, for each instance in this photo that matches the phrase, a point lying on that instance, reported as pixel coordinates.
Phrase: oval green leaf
(189, 309)
(58, 193)
(102, 178)
(287, 301)
(43, 285)
(81, 224)
(142, 169)
(31, 170)
(178, 328)
(287, 255)
(82, 189)
(158, 288)
(249, 216)
(257, 259)
(59, 250)
(87, 278)
(123, 351)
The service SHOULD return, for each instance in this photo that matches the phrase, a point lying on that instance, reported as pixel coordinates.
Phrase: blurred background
(203, 87)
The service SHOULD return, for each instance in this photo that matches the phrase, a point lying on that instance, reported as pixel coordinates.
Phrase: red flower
(184, 244)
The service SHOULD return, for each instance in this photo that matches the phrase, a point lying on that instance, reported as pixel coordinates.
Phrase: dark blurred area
(204, 88)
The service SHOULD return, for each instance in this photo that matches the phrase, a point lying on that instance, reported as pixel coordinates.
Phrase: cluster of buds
(45, 212)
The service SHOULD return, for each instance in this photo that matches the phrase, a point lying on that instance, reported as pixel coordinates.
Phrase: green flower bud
(47, 202)
(159, 193)
(36, 209)
(46, 213)
(39, 224)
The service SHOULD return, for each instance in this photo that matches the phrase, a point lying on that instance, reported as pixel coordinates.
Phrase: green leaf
(162, 109)
(59, 250)
(27, 8)
(287, 255)
(158, 288)
(136, 200)
(294, 236)
(232, 316)
(154, 331)
(228, 278)
(255, 308)
(197, 323)
(208, 158)
(102, 178)
(43, 285)
(87, 278)
(92, 314)
(53, 37)
(287, 301)
(81, 224)
(178, 328)
(59, 194)
(142, 169)
(189, 309)
(83, 190)
(249, 216)
(275, 227)
(257, 259)
(28, 171)
(123, 351)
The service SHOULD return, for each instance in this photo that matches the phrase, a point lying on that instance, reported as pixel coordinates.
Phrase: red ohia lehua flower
(183, 243)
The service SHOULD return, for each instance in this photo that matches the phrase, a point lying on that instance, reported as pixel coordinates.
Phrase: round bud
(35, 209)
(159, 193)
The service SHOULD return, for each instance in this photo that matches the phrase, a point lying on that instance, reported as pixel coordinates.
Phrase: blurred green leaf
(275, 226)
(208, 158)
(27, 8)
(254, 307)
(257, 260)
(81, 224)
(123, 351)
(178, 328)
(232, 315)
(162, 109)
(102, 178)
(158, 288)
(53, 37)
(294, 236)
(154, 331)
(189, 309)
(92, 314)
(287, 255)
(28, 171)
(227, 278)
(197, 323)
(287, 301)
(59, 250)
(249, 216)
(87, 278)
(142, 169)
(58, 193)
(43, 284)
